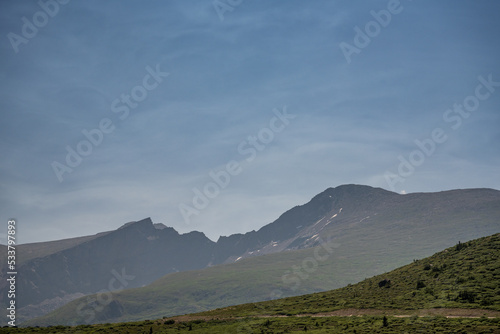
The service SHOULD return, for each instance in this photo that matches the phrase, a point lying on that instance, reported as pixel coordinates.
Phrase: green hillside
(317, 325)
(460, 282)
(464, 276)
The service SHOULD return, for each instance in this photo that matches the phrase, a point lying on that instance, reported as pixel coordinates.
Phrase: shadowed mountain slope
(341, 236)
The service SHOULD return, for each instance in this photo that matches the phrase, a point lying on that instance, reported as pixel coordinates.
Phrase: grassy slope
(168, 295)
(473, 267)
(464, 276)
(323, 325)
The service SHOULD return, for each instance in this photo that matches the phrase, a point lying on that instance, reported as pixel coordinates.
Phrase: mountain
(132, 256)
(454, 290)
(341, 236)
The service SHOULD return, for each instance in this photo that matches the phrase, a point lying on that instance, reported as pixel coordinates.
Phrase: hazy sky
(113, 111)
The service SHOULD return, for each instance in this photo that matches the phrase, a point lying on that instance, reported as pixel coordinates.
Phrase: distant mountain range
(350, 232)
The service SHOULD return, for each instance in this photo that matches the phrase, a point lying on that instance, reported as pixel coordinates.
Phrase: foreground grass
(364, 324)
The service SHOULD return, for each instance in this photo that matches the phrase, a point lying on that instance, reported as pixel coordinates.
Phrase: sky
(219, 116)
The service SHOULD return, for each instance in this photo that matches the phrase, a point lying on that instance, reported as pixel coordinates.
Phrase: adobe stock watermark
(372, 29)
(104, 297)
(294, 277)
(30, 28)
(95, 137)
(220, 179)
(454, 118)
(223, 6)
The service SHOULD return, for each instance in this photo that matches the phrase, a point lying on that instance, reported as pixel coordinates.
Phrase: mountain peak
(160, 226)
(143, 222)
(356, 189)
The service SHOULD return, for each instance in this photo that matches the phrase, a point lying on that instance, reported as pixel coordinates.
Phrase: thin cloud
(352, 120)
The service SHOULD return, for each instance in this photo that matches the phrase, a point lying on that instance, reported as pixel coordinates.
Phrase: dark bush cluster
(466, 295)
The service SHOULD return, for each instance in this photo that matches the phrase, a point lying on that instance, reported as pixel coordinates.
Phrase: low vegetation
(464, 276)
(455, 290)
(365, 324)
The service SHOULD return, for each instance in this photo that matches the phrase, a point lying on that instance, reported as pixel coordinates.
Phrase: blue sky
(233, 66)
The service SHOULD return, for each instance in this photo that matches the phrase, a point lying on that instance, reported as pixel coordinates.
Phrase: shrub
(467, 296)
(486, 302)
(436, 269)
(420, 285)
(460, 246)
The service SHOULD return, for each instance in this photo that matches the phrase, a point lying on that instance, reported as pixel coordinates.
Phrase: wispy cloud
(225, 78)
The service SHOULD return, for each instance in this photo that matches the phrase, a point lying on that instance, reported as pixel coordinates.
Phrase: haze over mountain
(372, 228)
